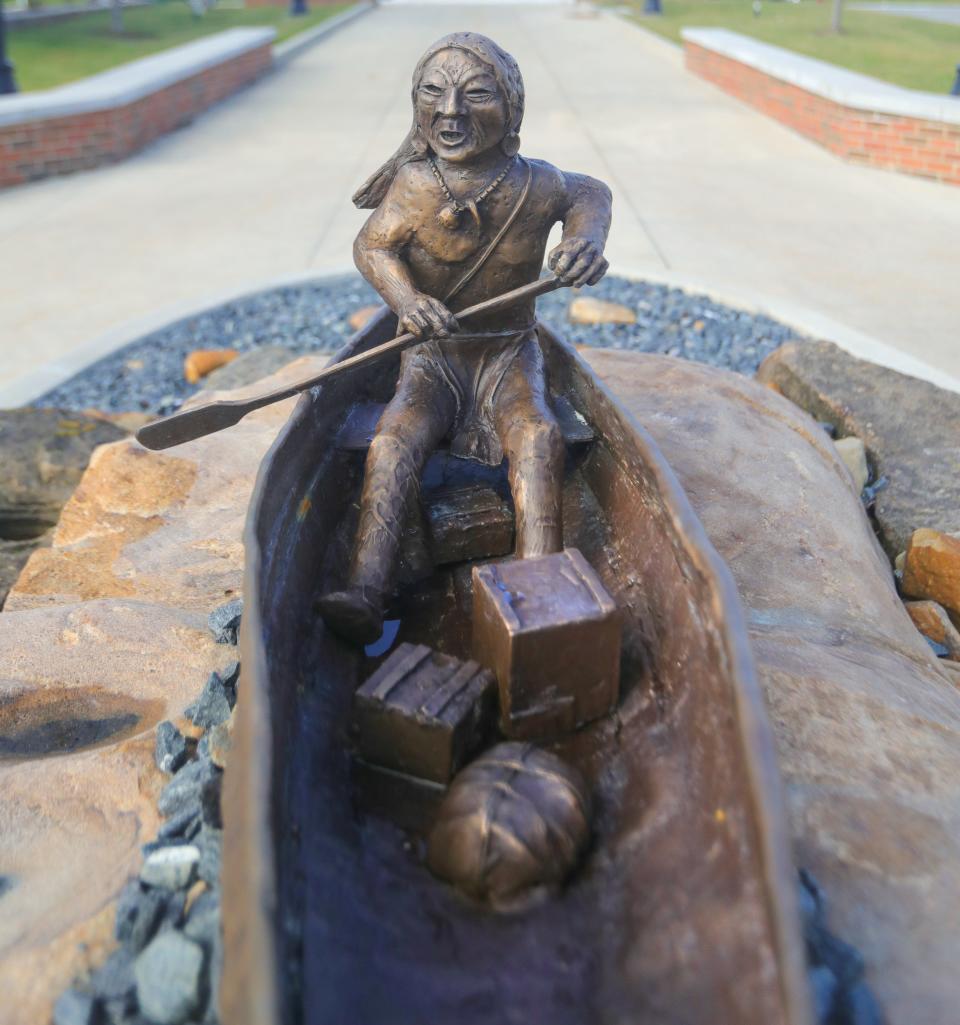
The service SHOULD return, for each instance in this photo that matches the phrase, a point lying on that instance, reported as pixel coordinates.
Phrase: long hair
(505, 69)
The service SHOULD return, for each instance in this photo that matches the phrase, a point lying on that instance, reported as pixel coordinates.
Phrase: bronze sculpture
(459, 216)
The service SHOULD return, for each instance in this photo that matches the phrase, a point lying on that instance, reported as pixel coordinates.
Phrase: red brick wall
(39, 149)
(930, 149)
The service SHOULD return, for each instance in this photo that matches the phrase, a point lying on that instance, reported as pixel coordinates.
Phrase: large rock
(104, 637)
(45, 451)
(867, 720)
(163, 527)
(931, 569)
(911, 430)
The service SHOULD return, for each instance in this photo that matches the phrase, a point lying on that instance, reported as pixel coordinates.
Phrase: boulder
(105, 637)
(911, 429)
(45, 452)
(931, 569)
(867, 720)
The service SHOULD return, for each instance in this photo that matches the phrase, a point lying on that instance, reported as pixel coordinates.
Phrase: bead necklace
(449, 216)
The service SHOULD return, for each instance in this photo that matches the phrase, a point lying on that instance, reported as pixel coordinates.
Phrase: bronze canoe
(684, 912)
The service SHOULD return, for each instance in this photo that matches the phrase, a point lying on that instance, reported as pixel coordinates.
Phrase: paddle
(200, 421)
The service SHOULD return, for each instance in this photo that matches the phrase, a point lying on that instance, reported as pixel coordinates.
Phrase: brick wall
(38, 149)
(930, 149)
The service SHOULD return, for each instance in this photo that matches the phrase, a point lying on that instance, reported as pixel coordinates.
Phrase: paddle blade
(189, 424)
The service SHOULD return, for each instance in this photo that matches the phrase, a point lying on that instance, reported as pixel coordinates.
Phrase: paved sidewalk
(945, 14)
(707, 192)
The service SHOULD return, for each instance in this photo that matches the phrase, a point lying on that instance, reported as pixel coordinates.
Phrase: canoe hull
(684, 911)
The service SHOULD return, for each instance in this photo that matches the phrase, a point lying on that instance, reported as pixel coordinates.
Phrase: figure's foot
(356, 613)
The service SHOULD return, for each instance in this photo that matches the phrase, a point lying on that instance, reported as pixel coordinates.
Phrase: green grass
(48, 55)
(907, 52)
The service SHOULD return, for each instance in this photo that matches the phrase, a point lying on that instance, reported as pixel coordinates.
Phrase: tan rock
(361, 317)
(867, 720)
(932, 568)
(201, 362)
(933, 622)
(220, 740)
(585, 309)
(854, 457)
(164, 527)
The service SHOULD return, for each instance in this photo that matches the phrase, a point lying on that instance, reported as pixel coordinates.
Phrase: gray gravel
(148, 374)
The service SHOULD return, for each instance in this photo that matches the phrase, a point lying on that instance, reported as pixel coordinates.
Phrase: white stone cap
(827, 80)
(130, 82)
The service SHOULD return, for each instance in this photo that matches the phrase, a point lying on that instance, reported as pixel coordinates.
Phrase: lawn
(915, 54)
(58, 52)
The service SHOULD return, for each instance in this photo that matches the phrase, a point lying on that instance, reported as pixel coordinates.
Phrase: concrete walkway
(707, 192)
(945, 14)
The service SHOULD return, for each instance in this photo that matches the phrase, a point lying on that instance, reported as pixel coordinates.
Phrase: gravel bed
(147, 375)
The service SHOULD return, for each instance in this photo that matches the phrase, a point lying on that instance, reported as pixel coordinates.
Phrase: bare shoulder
(561, 189)
(548, 183)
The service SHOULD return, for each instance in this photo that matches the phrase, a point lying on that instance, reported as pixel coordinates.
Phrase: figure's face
(461, 109)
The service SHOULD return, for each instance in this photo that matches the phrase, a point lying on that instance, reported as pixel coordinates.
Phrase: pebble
(360, 318)
(854, 456)
(182, 826)
(139, 914)
(186, 786)
(932, 568)
(224, 621)
(114, 985)
(313, 318)
(218, 742)
(75, 1008)
(170, 751)
(585, 309)
(173, 868)
(214, 704)
(210, 843)
(201, 362)
(203, 922)
(169, 975)
(933, 622)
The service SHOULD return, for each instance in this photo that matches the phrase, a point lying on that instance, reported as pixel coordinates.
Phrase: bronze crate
(423, 713)
(551, 634)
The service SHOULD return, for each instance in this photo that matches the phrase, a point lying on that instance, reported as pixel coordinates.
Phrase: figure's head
(467, 98)
(467, 101)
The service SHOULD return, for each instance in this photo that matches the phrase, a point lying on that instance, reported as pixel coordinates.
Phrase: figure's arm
(377, 253)
(585, 211)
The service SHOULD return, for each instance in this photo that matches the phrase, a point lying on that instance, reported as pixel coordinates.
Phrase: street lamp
(7, 84)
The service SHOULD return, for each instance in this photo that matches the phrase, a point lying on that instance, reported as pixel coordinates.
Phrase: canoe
(684, 912)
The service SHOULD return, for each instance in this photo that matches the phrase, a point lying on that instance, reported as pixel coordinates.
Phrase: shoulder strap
(489, 251)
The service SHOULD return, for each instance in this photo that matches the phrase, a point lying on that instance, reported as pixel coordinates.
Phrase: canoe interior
(683, 911)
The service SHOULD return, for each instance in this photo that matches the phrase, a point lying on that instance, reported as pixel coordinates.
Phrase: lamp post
(7, 84)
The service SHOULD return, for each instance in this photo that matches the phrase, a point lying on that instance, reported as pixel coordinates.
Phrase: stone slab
(867, 721)
(911, 429)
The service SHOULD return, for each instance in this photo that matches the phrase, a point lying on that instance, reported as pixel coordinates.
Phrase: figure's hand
(426, 317)
(578, 262)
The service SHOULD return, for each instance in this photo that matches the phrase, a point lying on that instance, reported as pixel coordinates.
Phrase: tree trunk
(837, 19)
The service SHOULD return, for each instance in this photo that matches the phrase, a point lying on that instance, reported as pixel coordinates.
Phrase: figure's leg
(413, 423)
(534, 447)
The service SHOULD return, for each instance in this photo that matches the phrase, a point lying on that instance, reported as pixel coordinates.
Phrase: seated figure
(459, 216)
